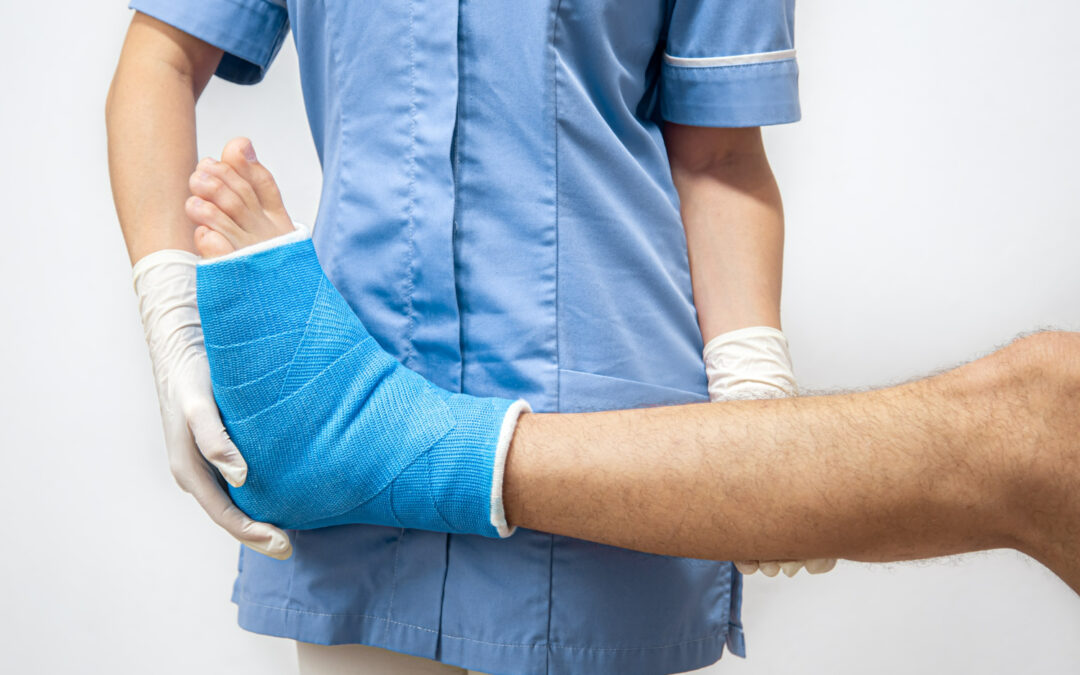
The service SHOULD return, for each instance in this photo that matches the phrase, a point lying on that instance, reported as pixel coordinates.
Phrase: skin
(151, 152)
(982, 456)
(734, 222)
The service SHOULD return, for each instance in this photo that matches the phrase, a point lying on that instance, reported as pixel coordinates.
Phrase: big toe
(239, 153)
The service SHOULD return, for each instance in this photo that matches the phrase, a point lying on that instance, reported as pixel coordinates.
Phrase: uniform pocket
(589, 392)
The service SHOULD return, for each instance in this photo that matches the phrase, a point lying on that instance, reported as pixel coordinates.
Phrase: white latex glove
(754, 363)
(194, 434)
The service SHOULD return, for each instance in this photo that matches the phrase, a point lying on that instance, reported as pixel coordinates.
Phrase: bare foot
(235, 201)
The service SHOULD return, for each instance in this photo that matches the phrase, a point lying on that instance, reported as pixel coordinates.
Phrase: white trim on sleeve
(736, 60)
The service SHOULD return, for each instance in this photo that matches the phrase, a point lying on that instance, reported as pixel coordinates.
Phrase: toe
(219, 183)
(207, 183)
(210, 244)
(239, 154)
(203, 212)
(235, 182)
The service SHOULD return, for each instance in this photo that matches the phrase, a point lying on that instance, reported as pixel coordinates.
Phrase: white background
(931, 195)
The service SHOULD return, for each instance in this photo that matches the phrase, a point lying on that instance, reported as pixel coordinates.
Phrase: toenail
(249, 152)
(203, 175)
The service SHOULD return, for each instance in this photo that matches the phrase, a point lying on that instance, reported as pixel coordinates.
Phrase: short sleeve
(730, 63)
(249, 31)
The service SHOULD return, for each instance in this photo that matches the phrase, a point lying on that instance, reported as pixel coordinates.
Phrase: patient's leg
(984, 456)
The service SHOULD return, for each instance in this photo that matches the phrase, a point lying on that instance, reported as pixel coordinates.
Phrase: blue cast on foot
(334, 429)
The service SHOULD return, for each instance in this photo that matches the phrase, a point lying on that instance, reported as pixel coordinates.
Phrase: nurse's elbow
(154, 50)
(696, 151)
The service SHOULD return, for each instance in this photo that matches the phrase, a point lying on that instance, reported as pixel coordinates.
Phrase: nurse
(560, 201)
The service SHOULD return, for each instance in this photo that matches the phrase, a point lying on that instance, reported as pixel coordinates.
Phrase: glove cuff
(743, 334)
(164, 284)
(749, 362)
(165, 256)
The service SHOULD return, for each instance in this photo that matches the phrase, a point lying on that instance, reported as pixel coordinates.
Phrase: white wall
(931, 196)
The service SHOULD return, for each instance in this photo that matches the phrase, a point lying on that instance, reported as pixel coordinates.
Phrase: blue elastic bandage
(334, 430)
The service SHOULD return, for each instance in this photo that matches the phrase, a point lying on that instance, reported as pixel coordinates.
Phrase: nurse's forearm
(734, 223)
(957, 462)
(150, 119)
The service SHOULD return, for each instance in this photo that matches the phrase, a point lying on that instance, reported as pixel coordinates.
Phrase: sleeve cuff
(249, 31)
(731, 91)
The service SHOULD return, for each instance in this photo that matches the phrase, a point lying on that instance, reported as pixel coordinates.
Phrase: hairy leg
(984, 456)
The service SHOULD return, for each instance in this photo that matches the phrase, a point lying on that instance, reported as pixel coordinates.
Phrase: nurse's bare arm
(150, 118)
(734, 223)
(983, 456)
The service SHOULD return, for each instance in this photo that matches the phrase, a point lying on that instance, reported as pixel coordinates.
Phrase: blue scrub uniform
(498, 208)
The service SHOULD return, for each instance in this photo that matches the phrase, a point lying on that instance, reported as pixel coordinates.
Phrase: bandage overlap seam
(307, 329)
(244, 343)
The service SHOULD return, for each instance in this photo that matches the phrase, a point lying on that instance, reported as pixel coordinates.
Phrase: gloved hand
(194, 434)
(754, 363)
